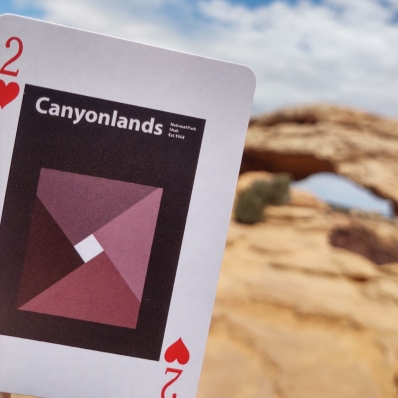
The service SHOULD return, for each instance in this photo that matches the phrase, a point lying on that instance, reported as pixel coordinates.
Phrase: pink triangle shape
(94, 292)
(81, 204)
(127, 240)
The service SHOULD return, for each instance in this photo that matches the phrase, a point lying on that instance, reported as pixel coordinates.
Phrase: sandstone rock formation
(295, 316)
(311, 139)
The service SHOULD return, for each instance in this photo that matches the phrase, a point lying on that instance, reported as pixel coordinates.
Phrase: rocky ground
(298, 317)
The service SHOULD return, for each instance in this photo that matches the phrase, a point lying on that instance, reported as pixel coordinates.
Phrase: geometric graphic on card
(88, 249)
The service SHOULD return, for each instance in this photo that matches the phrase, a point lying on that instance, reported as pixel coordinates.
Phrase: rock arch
(311, 139)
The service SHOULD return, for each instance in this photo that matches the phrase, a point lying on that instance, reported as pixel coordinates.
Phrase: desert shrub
(251, 202)
(279, 190)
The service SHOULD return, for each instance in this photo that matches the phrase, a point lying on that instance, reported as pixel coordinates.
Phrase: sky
(302, 51)
(339, 190)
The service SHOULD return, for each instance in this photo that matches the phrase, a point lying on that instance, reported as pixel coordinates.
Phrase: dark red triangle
(49, 256)
(95, 292)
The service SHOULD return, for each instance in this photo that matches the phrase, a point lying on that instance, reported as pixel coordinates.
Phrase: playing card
(118, 164)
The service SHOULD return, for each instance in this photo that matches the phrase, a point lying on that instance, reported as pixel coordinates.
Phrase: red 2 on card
(176, 352)
(168, 384)
(3, 69)
(10, 91)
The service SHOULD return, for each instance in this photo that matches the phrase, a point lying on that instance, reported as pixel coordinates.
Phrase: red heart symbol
(177, 352)
(8, 93)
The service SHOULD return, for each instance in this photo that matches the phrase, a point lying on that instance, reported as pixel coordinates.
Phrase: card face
(95, 249)
(117, 173)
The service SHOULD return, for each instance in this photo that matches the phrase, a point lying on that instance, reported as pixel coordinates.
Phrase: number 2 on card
(167, 385)
(3, 69)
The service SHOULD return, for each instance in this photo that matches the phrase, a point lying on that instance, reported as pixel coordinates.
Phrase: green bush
(250, 205)
(251, 202)
(279, 190)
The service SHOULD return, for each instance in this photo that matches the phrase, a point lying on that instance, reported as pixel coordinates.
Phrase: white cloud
(342, 51)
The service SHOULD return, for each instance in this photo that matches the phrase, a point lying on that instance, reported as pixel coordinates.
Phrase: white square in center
(89, 248)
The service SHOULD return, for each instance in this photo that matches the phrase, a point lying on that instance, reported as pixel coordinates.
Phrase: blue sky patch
(8, 7)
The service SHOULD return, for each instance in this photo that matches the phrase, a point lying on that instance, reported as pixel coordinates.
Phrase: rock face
(312, 139)
(296, 316)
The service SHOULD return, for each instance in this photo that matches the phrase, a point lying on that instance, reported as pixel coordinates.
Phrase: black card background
(108, 152)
